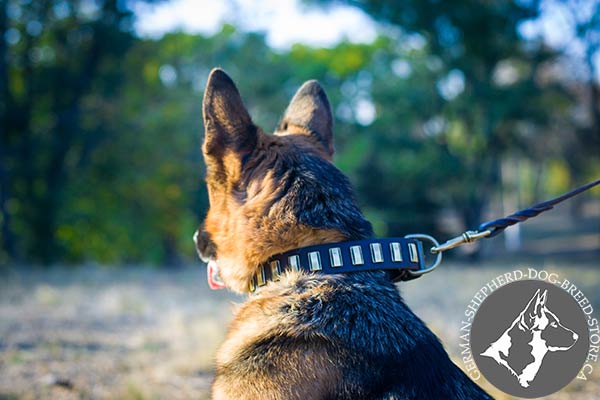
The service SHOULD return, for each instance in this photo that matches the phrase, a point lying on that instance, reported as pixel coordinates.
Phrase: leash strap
(497, 226)
(403, 256)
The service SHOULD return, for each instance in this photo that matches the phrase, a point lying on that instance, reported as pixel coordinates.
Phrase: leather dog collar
(403, 257)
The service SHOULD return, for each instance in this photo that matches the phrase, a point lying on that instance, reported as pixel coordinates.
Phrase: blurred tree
(582, 149)
(59, 61)
(585, 19)
(488, 98)
(6, 234)
(100, 142)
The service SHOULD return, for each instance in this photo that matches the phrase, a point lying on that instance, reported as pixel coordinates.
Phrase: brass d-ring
(438, 256)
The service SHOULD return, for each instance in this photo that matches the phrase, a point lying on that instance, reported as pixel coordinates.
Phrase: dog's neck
(538, 351)
(403, 257)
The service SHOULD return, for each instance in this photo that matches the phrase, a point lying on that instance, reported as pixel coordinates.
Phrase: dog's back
(335, 337)
(306, 336)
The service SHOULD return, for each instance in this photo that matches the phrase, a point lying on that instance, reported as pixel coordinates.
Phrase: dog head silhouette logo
(542, 331)
(528, 337)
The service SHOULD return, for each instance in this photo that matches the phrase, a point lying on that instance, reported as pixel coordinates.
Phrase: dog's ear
(309, 113)
(540, 303)
(530, 311)
(228, 126)
(535, 307)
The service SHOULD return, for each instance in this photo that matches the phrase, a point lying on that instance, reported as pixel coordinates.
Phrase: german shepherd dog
(306, 336)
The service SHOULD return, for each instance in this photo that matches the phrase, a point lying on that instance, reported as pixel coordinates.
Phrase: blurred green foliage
(100, 144)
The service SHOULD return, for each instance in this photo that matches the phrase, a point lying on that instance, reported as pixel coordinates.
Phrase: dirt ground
(143, 333)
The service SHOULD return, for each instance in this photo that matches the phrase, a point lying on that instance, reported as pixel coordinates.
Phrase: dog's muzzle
(206, 251)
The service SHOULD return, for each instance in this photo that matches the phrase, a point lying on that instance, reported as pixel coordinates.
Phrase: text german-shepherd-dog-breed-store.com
(303, 334)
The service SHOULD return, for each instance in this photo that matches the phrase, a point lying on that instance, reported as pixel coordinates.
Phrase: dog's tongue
(214, 280)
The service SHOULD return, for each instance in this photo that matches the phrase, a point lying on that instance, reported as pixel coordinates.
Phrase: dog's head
(537, 317)
(270, 193)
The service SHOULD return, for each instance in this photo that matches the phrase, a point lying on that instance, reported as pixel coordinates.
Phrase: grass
(143, 333)
(137, 333)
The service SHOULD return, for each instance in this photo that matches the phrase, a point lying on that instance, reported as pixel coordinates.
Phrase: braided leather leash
(497, 226)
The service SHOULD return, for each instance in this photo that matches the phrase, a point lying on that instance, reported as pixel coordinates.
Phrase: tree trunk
(171, 258)
(7, 236)
(594, 93)
(55, 175)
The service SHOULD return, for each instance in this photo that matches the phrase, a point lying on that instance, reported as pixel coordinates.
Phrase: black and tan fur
(307, 336)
